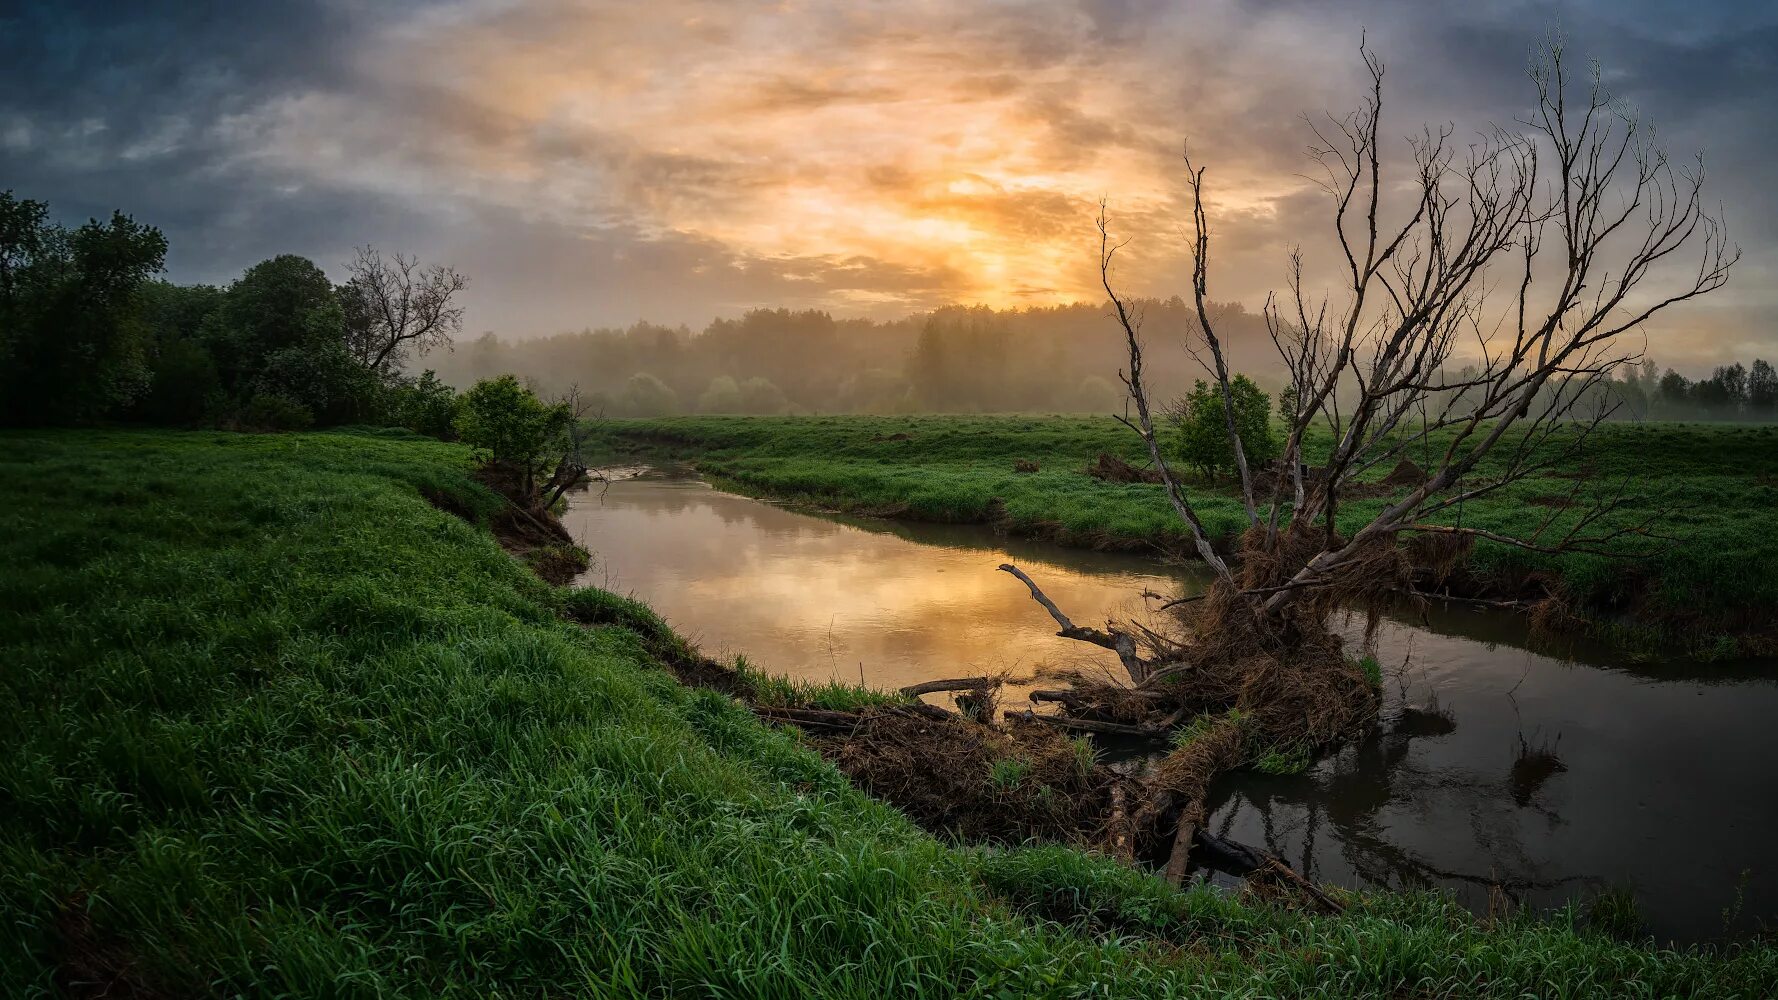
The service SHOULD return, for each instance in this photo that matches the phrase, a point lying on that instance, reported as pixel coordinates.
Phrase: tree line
(956, 359)
(89, 333)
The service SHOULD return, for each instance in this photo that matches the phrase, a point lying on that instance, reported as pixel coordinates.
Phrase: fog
(949, 360)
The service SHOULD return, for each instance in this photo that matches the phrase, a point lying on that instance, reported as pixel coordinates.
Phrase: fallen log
(1079, 725)
(1234, 858)
(1180, 859)
(1120, 643)
(1097, 726)
(818, 718)
(948, 684)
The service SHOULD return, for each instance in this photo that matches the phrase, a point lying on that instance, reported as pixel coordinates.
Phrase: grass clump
(280, 726)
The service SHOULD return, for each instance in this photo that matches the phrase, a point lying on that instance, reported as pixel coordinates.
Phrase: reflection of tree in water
(1345, 799)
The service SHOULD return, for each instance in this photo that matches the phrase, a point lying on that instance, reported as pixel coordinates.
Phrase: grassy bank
(278, 726)
(1714, 488)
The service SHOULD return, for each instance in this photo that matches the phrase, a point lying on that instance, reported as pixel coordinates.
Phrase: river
(1658, 780)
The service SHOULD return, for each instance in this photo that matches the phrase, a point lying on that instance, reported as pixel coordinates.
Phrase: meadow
(1709, 493)
(279, 726)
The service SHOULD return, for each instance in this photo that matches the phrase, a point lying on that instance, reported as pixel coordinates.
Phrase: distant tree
(760, 395)
(1724, 392)
(1095, 394)
(1287, 404)
(961, 360)
(874, 390)
(394, 304)
(646, 396)
(280, 332)
(723, 395)
(184, 385)
(280, 303)
(512, 429)
(1203, 427)
(23, 227)
(1762, 390)
(1675, 392)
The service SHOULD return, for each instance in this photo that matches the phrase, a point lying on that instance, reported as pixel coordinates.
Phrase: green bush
(269, 411)
(508, 425)
(1203, 427)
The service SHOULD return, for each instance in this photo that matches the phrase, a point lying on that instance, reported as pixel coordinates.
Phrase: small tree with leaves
(514, 432)
(1203, 433)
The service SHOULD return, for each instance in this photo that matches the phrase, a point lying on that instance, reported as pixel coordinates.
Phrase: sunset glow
(598, 162)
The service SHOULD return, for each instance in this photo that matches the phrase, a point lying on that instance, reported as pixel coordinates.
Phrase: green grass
(1714, 487)
(279, 727)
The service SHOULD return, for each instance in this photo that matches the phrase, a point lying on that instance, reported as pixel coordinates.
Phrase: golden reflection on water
(821, 600)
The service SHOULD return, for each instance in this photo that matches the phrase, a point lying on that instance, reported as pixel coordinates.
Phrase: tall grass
(276, 726)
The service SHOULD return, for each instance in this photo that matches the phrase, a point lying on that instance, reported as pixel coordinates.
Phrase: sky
(593, 163)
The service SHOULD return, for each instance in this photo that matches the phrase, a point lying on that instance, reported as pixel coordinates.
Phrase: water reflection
(1495, 772)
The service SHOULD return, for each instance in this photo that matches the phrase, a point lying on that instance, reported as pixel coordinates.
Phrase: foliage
(646, 396)
(723, 395)
(71, 339)
(509, 426)
(425, 406)
(326, 739)
(85, 335)
(1203, 427)
(270, 411)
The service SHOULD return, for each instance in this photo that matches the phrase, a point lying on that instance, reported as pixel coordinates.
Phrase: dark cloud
(600, 162)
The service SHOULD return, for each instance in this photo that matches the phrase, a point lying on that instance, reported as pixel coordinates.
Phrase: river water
(1508, 777)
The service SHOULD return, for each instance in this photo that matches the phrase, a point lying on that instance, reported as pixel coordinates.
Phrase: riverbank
(1711, 489)
(283, 726)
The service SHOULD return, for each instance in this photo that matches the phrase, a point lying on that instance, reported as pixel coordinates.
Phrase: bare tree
(571, 469)
(1529, 258)
(396, 303)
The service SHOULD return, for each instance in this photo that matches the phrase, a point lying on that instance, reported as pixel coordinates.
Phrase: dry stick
(1122, 847)
(1182, 845)
(949, 684)
(1120, 643)
(1307, 887)
(1081, 725)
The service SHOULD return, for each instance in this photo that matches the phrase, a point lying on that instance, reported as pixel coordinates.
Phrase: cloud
(597, 162)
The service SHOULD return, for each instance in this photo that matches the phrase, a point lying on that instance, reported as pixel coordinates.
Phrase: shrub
(269, 411)
(1203, 427)
(425, 405)
(511, 427)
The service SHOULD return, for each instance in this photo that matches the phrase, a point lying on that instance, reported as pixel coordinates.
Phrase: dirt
(1112, 469)
(90, 964)
(522, 526)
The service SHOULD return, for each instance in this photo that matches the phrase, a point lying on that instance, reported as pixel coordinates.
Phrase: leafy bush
(509, 426)
(426, 406)
(269, 411)
(1203, 427)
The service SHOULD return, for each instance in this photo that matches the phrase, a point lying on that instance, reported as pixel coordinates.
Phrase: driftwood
(1234, 858)
(1178, 861)
(1120, 643)
(1191, 843)
(1082, 725)
(949, 684)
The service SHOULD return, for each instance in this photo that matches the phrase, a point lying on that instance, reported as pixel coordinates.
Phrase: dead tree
(1527, 259)
(571, 470)
(1585, 223)
(395, 304)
